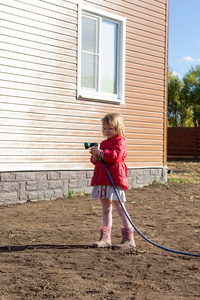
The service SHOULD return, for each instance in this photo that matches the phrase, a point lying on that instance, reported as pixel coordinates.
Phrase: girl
(113, 150)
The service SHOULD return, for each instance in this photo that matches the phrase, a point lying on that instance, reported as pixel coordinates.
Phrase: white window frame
(83, 93)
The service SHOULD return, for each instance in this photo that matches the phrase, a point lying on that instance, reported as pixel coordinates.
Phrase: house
(64, 65)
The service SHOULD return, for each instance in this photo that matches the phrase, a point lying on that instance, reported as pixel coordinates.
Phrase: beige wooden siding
(43, 125)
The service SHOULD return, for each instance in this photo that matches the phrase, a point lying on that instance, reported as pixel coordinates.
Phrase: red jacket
(115, 151)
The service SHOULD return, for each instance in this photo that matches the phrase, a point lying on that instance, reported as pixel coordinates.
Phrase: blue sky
(184, 35)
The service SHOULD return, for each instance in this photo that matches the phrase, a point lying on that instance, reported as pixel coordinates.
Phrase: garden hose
(125, 212)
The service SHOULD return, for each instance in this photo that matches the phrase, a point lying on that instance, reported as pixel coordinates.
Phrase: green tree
(179, 111)
(191, 91)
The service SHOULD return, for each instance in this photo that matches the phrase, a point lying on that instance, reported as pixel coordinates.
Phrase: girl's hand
(95, 157)
(95, 150)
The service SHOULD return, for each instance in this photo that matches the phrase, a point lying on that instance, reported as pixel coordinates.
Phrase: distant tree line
(184, 98)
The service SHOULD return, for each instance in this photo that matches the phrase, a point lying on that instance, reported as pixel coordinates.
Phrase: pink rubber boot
(105, 240)
(127, 239)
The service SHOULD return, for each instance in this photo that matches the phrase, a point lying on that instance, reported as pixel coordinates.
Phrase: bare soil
(46, 248)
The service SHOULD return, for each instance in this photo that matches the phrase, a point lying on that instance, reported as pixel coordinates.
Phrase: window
(101, 56)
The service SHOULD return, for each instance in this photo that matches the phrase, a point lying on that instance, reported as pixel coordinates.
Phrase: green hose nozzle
(88, 145)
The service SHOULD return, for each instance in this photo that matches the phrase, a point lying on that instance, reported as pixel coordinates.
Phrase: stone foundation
(16, 187)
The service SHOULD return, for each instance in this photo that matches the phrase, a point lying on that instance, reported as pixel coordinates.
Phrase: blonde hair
(116, 121)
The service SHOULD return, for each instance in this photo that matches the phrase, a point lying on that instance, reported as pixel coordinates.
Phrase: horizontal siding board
(71, 123)
(135, 21)
(142, 92)
(144, 149)
(42, 90)
(52, 78)
(149, 5)
(49, 121)
(10, 44)
(68, 130)
(139, 79)
(131, 61)
(39, 110)
(66, 155)
(44, 153)
(33, 166)
(145, 39)
(58, 104)
(40, 83)
(156, 110)
(46, 61)
(46, 71)
(153, 160)
(141, 43)
(145, 29)
(144, 57)
(67, 159)
(70, 166)
(146, 102)
(144, 118)
(82, 137)
(47, 118)
(83, 124)
(157, 3)
(154, 72)
(32, 82)
(139, 50)
(27, 44)
(148, 36)
(48, 145)
(131, 124)
(147, 142)
(158, 6)
(52, 6)
(49, 138)
(71, 162)
(145, 112)
(44, 159)
(149, 87)
(38, 133)
(62, 3)
(144, 73)
(39, 36)
(144, 43)
(138, 95)
(69, 147)
(139, 116)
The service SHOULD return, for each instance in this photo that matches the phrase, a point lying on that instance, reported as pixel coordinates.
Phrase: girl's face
(109, 131)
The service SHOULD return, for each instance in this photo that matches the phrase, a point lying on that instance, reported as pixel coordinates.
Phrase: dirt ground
(46, 248)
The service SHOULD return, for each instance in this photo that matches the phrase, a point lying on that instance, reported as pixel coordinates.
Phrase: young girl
(113, 150)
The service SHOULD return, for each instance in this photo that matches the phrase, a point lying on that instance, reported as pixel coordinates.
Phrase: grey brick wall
(16, 187)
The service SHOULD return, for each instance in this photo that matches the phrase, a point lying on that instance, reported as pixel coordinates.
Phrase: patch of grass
(177, 180)
(80, 193)
(96, 207)
(184, 171)
(70, 193)
(155, 181)
(53, 195)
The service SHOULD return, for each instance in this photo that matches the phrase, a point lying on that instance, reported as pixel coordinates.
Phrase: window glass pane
(89, 34)
(109, 57)
(89, 69)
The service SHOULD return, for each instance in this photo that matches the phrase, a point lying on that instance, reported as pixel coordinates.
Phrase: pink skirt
(108, 192)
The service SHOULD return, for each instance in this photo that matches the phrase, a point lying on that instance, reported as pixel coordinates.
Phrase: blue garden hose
(124, 210)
